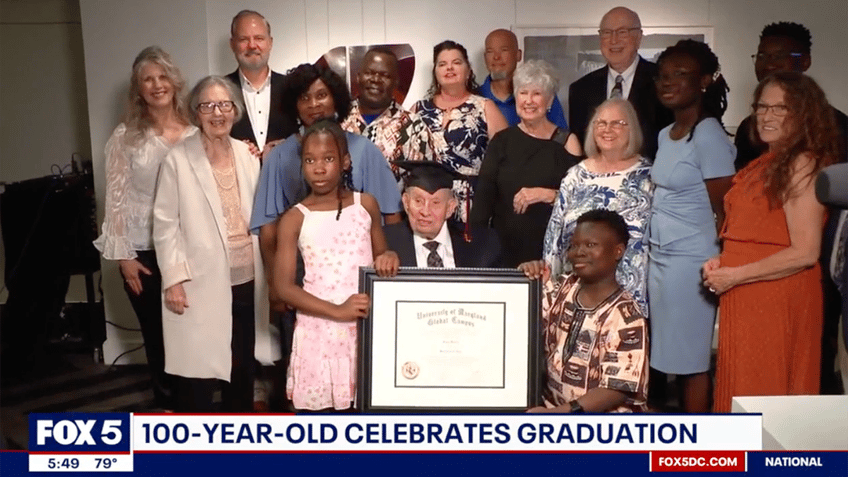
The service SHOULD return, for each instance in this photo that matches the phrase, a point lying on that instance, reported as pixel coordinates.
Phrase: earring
(703, 90)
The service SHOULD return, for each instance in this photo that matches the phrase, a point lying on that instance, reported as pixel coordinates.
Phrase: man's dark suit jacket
(587, 93)
(280, 126)
(484, 250)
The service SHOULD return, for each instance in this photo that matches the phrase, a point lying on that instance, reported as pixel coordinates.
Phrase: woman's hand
(356, 306)
(268, 147)
(536, 269)
(528, 196)
(254, 150)
(721, 279)
(130, 270)
(386, 264)
(537, 410)
(710, 265)
(175, 299)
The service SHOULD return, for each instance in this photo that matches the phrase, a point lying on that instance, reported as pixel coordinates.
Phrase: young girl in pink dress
(337, 231)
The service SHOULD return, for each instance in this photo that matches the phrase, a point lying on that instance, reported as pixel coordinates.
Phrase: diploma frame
(502, 294)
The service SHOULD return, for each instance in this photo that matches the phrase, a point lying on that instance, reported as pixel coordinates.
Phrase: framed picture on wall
(450, 340)
(575, 51)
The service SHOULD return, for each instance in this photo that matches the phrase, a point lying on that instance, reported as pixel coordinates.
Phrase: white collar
(248, 86)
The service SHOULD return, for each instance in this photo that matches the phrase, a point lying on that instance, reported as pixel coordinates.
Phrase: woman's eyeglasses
(779, 110)
(616, 124)
(224, 106)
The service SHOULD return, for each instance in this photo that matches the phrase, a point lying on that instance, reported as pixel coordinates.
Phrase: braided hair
(714, 96)
(327, 126)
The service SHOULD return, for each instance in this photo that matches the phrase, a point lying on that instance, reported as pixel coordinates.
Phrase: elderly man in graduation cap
(426, 238)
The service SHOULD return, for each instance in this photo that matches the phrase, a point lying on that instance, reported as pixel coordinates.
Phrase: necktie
(433, 259)
(618, 89)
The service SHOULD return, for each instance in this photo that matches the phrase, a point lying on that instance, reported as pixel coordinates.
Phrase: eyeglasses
(778, 110)
(616, 124)
(774, 57)
(208, 108)
(606, 33)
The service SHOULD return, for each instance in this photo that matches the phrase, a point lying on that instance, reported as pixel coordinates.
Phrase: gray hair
(634, 143)
(536, 72)
(247, 13)
(207, 82)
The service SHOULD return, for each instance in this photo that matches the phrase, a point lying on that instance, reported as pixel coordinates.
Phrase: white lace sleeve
(114, 243)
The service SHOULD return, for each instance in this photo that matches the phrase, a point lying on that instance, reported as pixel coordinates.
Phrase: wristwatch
(576, 408)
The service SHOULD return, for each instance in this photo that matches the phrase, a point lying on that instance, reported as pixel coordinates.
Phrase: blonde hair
(137, 117)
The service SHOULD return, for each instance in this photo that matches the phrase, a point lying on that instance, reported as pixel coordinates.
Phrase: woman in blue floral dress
(461, 121)
(613, 177)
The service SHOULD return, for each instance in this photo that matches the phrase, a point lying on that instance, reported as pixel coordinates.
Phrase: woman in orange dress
(767, 275)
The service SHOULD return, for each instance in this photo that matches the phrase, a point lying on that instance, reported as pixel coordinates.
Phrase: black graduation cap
(428, 175)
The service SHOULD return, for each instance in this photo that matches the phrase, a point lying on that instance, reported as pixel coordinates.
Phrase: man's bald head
(621, 35)
(502, 54)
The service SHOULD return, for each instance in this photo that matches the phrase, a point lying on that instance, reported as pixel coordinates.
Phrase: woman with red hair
(767, 275)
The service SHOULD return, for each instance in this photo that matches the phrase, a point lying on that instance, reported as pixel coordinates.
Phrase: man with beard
(398, 133)
(502, 56)
(265, 124)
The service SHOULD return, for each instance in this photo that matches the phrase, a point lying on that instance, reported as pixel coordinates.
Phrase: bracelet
(576, 408)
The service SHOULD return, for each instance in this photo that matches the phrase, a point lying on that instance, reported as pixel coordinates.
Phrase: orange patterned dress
(769, 331)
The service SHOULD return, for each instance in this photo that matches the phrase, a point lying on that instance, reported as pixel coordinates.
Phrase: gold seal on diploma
(409, 370)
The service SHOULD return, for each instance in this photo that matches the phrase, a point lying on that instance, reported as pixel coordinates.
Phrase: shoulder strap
(302, 208)
(356, 197)
(560, 135)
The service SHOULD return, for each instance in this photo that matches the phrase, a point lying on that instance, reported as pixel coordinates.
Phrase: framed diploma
(450, 340)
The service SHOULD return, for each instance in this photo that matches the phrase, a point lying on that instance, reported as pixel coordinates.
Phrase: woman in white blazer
(215, 294)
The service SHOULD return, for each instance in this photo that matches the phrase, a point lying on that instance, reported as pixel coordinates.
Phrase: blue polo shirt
(555, 115)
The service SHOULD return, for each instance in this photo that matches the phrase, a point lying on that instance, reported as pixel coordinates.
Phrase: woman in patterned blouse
(462, 122)
(613, 177)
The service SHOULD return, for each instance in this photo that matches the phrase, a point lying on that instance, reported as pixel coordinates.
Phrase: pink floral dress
(322, 370)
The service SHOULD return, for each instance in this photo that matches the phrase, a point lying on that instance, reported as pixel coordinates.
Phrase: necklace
(226, 178)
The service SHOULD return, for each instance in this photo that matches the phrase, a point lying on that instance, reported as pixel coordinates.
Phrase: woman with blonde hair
(154, 121)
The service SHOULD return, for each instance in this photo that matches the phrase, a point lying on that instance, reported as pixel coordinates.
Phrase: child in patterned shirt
(595, 336)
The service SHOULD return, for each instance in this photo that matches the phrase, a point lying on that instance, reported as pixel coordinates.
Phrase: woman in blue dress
(691, 174)
(461, 121)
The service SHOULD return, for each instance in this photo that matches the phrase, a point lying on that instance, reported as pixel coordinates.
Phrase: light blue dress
(281, 184)
(627, 192)
(682, 237)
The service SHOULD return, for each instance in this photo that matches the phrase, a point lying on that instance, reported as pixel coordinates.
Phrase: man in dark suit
(265, 124)
(426, 239)
(626, 75)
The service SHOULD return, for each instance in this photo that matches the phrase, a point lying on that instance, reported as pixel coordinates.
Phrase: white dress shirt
(627, 75)
(445, 249)
(257, 101)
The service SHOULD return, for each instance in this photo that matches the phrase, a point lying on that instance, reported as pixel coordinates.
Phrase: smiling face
(611, 130)
(216, 124)
(155, 86)
(428, 212)
(451, 68)
(532, 102)
(251, 43)
(679, 82)
(622, 45)
(322, 164)
(377, 80)
(594, 251)
(502, 54)
(315, 103)
(774, 123)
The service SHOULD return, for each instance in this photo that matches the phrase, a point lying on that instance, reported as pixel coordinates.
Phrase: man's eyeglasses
(606, 33)
(224, 106)
(774, 57)
(616, 124)
(779, 110)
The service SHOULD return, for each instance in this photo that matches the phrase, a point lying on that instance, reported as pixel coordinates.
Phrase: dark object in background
(48, 226)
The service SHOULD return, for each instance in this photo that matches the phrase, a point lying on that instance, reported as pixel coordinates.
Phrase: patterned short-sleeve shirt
(605, 346)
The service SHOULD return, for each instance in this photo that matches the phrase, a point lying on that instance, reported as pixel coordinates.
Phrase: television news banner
(110, 442)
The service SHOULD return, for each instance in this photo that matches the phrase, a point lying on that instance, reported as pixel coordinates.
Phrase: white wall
(196, 34)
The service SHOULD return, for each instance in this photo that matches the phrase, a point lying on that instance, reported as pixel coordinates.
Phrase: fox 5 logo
(95, 432)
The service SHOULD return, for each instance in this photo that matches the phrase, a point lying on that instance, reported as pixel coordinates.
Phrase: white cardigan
(190, 237)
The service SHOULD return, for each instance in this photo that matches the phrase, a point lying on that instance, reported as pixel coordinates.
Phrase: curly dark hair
(813, 131)
(471, 85)
(714, 98)
(795, 31)
(611, 218)
(331, 127)
(301, 77)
